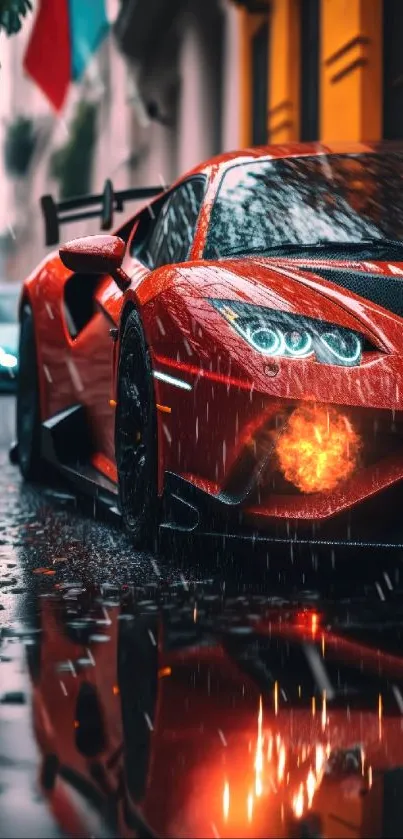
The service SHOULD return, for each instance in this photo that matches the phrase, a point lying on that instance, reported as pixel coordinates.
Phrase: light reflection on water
(209, 727)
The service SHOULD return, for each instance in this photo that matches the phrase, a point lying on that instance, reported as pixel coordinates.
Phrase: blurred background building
(176, 81)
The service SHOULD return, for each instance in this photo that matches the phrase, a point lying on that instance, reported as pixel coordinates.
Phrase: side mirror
(96, 255)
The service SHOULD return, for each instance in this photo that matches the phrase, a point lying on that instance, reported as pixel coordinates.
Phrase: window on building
(392, 70)
(309, 68)
(260, 83)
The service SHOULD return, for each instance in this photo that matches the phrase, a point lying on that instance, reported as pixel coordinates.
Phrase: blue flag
(88, 27)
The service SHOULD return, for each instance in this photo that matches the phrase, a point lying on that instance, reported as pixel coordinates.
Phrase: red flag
(48, 56)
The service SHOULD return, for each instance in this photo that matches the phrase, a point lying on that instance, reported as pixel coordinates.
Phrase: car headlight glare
(287, 335)
(7, 360)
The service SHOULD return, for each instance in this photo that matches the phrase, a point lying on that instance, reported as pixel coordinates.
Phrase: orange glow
(225, 801)
(164, 671)
(303, 799)
(281, 763)
(47, 572)
(298, 803)
(115, 690)
(310, 787)
(276, 698)
(281, 773)
(313, 706)
(249, 806)
(258, 786)
(319, 759)
(324, 711)
(369, 777)
(314, 623)
(318, 449)
(259, 753)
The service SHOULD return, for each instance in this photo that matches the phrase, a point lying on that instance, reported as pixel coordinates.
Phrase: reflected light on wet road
(189, 695)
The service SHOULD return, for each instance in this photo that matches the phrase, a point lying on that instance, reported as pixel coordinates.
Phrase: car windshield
(8, 307)
(319, 202)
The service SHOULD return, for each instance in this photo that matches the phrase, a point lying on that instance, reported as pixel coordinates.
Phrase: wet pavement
(201, 692)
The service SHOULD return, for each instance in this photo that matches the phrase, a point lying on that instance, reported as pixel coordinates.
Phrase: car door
(99, 385)
(161, 234)
(89, 357)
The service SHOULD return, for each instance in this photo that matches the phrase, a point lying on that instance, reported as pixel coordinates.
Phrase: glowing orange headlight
(318, 448)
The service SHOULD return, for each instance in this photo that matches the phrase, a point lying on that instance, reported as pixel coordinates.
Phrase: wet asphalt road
(46, 528)
(46, 533)
(56, 550)
(45, 538)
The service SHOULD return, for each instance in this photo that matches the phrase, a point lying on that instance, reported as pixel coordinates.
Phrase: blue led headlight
(341, 345)
(285, 335)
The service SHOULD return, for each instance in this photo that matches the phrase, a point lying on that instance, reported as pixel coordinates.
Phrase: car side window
(173, 232)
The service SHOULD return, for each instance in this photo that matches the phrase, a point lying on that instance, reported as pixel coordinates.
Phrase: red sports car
(231, 359)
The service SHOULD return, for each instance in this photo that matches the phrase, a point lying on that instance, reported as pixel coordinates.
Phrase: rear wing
(104, 206)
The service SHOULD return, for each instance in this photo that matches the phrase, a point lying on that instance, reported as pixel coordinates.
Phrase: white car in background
(9, 336)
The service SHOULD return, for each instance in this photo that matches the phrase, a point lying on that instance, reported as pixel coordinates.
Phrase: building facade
(282, 70)
(177, 81)
(106, 87)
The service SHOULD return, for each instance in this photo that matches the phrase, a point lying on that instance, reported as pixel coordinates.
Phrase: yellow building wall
(283, 71)
(351, 70)
(284, 76)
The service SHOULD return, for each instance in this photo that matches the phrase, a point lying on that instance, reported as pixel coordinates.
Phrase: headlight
(7, 359)
(278, 334)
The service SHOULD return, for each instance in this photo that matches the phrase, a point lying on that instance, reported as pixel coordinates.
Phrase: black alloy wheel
(136, 437)
(28, 407)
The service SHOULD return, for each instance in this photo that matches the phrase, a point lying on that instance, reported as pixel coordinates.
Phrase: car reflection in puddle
(177, 712)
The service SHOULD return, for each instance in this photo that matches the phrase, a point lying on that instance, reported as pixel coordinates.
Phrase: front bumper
(374, 523)
(220, 435)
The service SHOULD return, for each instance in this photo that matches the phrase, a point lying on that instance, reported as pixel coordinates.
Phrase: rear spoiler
(105, 205)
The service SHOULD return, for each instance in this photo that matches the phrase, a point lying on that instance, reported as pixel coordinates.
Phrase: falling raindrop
(226, 801)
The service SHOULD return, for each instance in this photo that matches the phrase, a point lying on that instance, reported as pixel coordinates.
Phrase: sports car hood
(380, 283)
(352, 293)
(371, 291)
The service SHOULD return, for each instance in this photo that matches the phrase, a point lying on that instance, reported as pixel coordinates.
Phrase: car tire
(136, 437)
(28, 406)
(137, 653)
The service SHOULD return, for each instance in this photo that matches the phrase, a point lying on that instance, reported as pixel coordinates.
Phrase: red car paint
(234, 389)
(211, 719)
